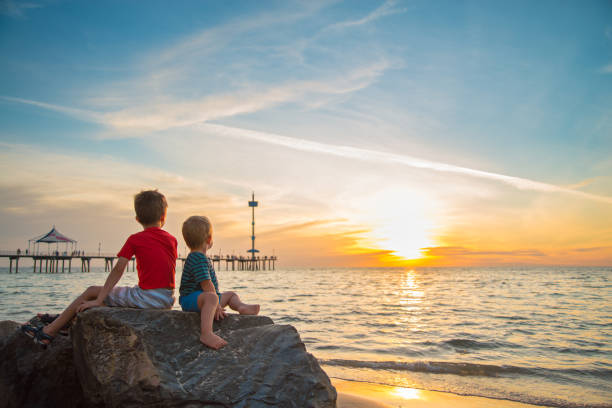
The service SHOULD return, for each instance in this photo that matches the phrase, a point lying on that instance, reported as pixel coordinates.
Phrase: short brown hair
(150, 206)
(196, 230)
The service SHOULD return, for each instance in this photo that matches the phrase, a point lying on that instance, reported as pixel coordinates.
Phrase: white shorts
(124, 296)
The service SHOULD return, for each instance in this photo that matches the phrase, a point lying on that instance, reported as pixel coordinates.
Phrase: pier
(52, 259)
(62, 262)
(242, 263)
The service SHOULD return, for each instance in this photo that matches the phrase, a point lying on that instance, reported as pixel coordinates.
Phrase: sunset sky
(374, 133)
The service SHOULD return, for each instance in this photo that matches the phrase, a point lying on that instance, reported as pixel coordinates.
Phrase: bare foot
(213, 341)
(249, 309)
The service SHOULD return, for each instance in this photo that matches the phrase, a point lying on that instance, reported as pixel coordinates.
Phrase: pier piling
(52, 261)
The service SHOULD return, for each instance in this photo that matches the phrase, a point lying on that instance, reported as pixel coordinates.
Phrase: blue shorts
(189, 303)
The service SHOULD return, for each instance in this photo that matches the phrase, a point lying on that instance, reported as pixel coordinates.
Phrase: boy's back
(197, 268)
(156, 254)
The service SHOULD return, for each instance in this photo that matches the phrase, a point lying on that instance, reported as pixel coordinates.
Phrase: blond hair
(197, 229)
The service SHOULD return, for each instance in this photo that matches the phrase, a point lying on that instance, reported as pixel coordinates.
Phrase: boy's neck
(157, 224)
(201, 249)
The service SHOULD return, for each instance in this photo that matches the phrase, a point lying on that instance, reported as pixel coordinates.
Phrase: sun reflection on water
(410, 289)
(410, 299)
(406, 393)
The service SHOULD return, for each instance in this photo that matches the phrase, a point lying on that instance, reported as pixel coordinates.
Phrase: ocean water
(536, 335)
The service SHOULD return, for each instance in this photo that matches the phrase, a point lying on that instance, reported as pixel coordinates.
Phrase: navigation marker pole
(253, 251)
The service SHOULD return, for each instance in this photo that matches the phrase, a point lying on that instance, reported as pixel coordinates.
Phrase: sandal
(43, 339)
(40, 337)
(47, 318)
(29, 330)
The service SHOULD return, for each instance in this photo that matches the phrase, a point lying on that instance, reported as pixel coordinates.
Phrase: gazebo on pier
(51, 237)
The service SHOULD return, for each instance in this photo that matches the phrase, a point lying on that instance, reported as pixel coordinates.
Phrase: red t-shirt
(155, 252)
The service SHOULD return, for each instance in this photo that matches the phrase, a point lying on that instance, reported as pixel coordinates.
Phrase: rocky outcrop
(134, 358)
(33, 377)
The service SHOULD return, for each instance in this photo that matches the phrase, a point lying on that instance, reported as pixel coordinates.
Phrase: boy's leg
(52, 328)
(207, 303)
(232, 300)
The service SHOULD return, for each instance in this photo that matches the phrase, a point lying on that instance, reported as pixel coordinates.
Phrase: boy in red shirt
(156, 253)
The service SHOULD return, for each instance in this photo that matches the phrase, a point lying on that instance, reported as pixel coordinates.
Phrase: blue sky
(231, 94)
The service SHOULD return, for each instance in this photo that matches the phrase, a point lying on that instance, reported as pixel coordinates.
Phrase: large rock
(7, 328)
(33, 377)
(133, 358)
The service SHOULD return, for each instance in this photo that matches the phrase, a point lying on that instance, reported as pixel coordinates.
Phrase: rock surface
(131, 358)
(128, 357)
(33, 377)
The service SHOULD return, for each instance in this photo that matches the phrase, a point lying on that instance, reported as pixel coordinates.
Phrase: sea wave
(465, 369)
(467, 344)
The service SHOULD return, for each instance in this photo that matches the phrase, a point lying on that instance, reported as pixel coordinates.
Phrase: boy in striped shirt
(199, 290)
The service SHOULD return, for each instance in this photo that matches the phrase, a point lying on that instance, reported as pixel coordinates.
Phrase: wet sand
(353, 394)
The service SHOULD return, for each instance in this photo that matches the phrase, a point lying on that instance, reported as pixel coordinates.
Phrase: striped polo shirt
(198, 268)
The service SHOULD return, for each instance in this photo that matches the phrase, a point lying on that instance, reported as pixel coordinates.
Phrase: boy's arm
(207, 286)
(111, 281)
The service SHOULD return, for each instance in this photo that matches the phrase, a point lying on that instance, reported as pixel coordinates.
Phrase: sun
(404, 222)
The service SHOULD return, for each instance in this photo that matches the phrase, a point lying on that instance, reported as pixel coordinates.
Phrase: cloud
(458, 255)
(157, 116)
(391, 158)
(195, 114)
(162, 116)
(81, 114)
(178, 85)
(583, 183)
(607, 69)
(16, 9)
(47, 179)
(90, 197)
(169, 86)
(591, 249)
(45, 186)
(386, 9)
(302, 226)
(453, 251)
(210, 40)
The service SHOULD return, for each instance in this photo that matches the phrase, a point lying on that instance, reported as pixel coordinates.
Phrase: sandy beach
(353, 394)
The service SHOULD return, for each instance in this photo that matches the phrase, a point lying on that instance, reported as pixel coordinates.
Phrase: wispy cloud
(302, 226)
(211, 39)
(168, 87)
(156, 116)
(161, 116)
(462, 251)
(168, 116)
(392, 158)
(79, 183)
(582, 183)
(592, 249)
(185, 114)
(81, 114)
(456, 255)
(607, 69)
(86, 184)
(386, 9)
(17, 8)
(172, 85)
